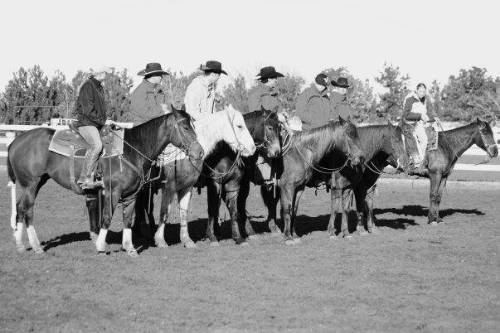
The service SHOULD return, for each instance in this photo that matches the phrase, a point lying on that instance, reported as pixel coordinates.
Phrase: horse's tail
(12, 185)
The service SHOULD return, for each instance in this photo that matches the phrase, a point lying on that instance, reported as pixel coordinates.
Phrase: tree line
(31, 97)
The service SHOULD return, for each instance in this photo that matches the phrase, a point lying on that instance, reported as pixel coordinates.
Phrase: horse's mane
(371, 137)
(316, 137)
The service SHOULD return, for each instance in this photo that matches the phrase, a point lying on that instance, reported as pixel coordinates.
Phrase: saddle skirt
(171, 154)
(69, 142)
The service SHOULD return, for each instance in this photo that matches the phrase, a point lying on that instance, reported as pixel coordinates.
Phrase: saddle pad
(171, 154)
(69, 143)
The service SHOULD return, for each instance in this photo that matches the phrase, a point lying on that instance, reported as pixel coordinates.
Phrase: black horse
(303, 163)
(382, 145)
(31, 164)
(451, 145)
(225, 174)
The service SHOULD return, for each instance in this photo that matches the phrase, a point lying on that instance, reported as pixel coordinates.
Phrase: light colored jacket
(200, 98)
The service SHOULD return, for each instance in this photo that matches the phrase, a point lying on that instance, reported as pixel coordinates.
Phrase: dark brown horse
(382, 145)
(261, 127)
(301, 162)
(225, 173)
(451, 145)
(31, 164)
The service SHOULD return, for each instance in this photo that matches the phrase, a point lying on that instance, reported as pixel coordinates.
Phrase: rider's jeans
(91, 135)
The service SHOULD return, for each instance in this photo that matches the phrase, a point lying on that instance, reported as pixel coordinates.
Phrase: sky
(428, 39)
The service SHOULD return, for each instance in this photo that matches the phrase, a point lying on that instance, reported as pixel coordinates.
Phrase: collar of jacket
(316, 92)
(338, 97)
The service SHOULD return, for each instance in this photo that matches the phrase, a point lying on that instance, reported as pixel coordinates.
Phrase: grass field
(410, 277)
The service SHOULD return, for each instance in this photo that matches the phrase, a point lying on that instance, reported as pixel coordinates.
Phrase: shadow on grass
(418, 210)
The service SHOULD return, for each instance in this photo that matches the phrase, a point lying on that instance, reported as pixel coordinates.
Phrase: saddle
(69, 142)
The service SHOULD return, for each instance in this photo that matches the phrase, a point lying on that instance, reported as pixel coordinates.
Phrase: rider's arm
(407, 114)
(192, 102)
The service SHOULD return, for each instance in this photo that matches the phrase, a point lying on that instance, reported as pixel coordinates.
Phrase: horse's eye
(240, 126)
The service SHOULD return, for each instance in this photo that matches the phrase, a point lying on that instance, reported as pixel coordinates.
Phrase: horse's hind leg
(362, 212)
(435, 197)
(296, 200)
(26, 211)
(213, 199)
(95, 211)
(166, 203)
(230, 198)
(128, 210)
(242, 209)
(110, 201)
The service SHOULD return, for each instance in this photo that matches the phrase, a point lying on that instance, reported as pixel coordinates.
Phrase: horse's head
(236, 134)
(352, 146)
(266, 133)
(485, 138)
(183, 135)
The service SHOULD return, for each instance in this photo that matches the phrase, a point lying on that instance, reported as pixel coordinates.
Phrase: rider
(313, 104)
(265, 95)
(338, 98)
(417, 110)
(90, 112)
(149, 99)
(200, 94)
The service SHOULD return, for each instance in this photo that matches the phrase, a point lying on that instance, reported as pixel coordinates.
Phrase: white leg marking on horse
(13, 215)
(127, 239)
(18, 236)
(159, 239)
(33, 239)
(100, 243)
(183, 209)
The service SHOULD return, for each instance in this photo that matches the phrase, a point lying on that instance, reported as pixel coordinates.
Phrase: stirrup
(91, 185)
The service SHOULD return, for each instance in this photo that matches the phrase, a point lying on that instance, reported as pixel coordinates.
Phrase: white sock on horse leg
(18, 235)
(127, 239)
(160, 232)
(13, 215)
(100, 243)
(33, 238)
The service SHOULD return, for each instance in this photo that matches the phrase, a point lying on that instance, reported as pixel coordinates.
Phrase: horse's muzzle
(196, 151)
(493, 150)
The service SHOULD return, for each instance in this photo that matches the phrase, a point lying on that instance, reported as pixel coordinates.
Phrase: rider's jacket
(200, 98)
(414, 107)
(90, 109)
(262, 96)
(314, 108)
(146, 102)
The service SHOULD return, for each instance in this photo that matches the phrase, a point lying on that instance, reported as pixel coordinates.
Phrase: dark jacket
(146, 101)
(263, 97)
(313, 107)
(340, 106)
(410, 105)
(90, 107)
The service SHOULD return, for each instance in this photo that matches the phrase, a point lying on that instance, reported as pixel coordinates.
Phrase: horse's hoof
(160, 243)
(189, 245)
(297, 240)
(374, 231)
(433, 223)
(363, 232)
(102, 253)
(333, 237)
(38, 250)
(214, 244)
(20, 248)
(275, 233)
(253, 237)
(132, 253)
(349, 236)
(244, 243)
(290, 242)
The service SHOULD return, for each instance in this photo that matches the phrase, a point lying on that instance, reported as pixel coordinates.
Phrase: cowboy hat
(268, 72)
(213, 66)
(341, 83)
(153, 68)
(321, 79)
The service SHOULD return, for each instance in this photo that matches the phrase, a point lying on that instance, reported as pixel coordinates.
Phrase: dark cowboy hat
(341, 83)
(321, 79)
(213, 66)
(268, 72)
(153, 68)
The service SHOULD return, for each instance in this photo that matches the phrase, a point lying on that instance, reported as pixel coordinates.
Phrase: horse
(300, 164)
(30, 164)
(224, 172)
(451, 145)
(382, 145)
(238, 132)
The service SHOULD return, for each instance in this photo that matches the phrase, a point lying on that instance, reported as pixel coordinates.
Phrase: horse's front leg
(434, 197)
(109, 205)
(439, 196)
(242, 209)
(362, 213)
(168, 193)
(128, 212)
(184, 196)
(94, 207)
(286, 212)
(296, 201)
(271, 202)
(230, 198)
(213, 200)
(334, 210)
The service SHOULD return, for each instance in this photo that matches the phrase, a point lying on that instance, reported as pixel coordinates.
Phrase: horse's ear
(172, 107)
(341, 120)
(493, 123)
